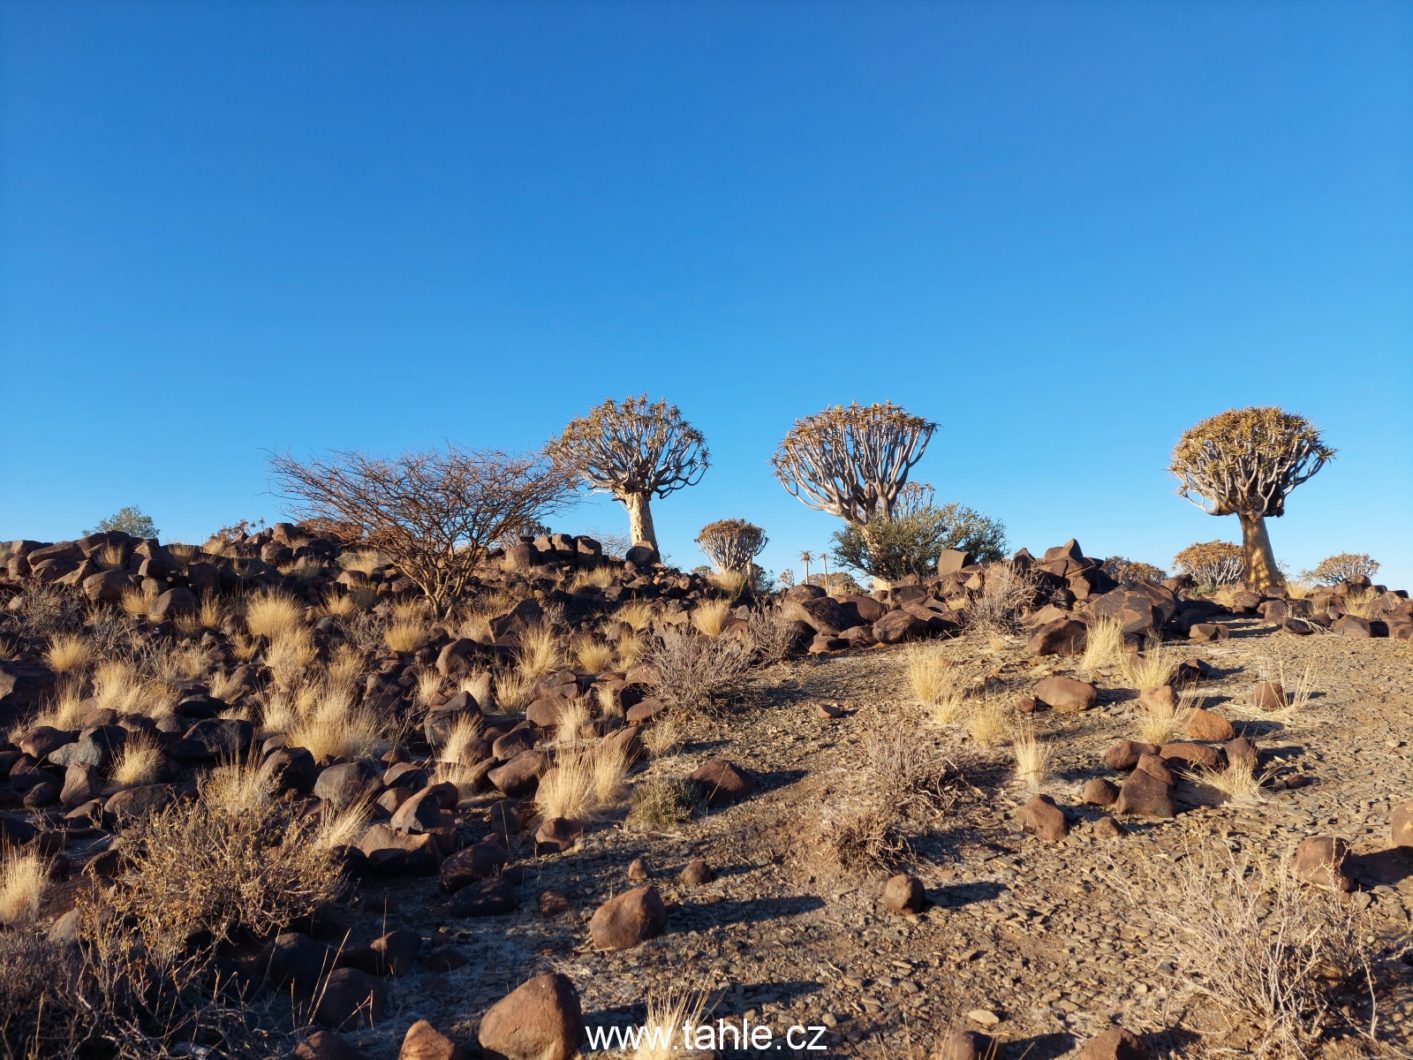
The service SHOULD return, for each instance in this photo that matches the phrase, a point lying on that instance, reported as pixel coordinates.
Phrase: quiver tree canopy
(1245, 462)
(634, 450)
(731, 544)
(851, 461)
(1211, 562)
(433, 515)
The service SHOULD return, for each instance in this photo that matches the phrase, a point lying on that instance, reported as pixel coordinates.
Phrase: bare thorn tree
(851, 461)
(731, 543)
(1244, 462)
(434, 515)
(634, 450)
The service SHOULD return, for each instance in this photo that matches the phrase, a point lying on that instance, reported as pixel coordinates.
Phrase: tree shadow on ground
(956, 895)
(1381, 868)
(729, 911)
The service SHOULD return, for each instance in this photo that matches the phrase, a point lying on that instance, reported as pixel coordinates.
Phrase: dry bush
(1103, 644)
(905, 785)
(460, 738)
(694, 672)
(218, 868)
(592, 654)
(68, 652)
(364, 561)
(772, 635)
(989, 722)
(345, 666)
(664, 803)
(63, 711)
(935, 683)
(1033, 756)
(710, 617)
(23, 875)
(269, 613)
(1153, 667)
(596, 577)
(538, 653)
(139, 762)
(512, 690)
(1007, 593)
(42, 1013)
(1237, 781)
(1282, 962)
(340, 605)
(477, 684)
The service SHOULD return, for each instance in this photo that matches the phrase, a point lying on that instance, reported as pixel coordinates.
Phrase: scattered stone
(1043, 819)
(1319, 861)
(639, 870)
(1203, 724)
(723, 782)
(1098, 792)
(696, 873)
(425, 1042)
(349, 995)
(903, 894)
(965, 1045)
(1066, 694)
(1401, 825)
(1268, 695)
(1115, 1044)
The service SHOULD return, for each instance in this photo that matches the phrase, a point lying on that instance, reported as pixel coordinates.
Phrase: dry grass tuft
(1238, 782)
(68, 653)
(663, 736)
(1153, 667)
(23, 875)
(1299, 688)
(64, 711)
(460, 739)
(340, 605)
(1033, 757)
(290, 654)
(710, 617)
(406, 635)
(638, 614)
(568, 730)
(670, 1014)
(365, 562)
(592, 654)
(139, 762)
(538, 654)
(512, 690)
(730, 583)
(333, 728)
(629, 650)
(1103, 645)
(345, 666)
(936, 684)
(581, 783)
(270, 613)
(1161, 723)
(989, 723)
(596, 577)
(428, 684)
(664, 803)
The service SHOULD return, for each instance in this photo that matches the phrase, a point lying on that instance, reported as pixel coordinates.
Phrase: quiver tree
(433, 515)
(732, 544)
(1342, 567)
(1211, 562)
(634, 451)
(851, 461)
(1244, 462)
(1127, 571)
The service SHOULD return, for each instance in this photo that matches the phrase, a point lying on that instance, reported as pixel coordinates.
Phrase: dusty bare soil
(1042, 945)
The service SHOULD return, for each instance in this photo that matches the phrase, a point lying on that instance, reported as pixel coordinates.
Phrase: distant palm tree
(805, 558)
(824, 558)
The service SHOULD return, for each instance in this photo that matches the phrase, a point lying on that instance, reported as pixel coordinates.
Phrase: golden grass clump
(710, 617)
(663, 736)
(342, 827)
(512, 690)
(332, 727)
(136, 603)
(428, 684)
(1103, 645)
(478, 685)
(1153, 667)
(68, 652)
(539, 651)
(582, 783)
(139, 762)
(1033, 757)
(23, 875)
(1299, 687)
(118, 686)
(592, 654)
(730, 583)
(112, 557)
(270, 613)
(596, 577)
(635, 613)
(1163, 720)
(936, 684)
(989, 723)
(340, 605)
(464, 733)
(629, 649)
(405, 635)
(64, 710)
(365, 562)
(569, 727)
(1237, 781)
(671, 1011)
(290, 654)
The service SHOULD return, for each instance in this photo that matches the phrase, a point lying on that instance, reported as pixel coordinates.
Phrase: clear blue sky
(1065, 231)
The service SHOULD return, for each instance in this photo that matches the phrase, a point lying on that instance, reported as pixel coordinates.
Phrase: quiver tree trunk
(1261, 573)
(640, 518)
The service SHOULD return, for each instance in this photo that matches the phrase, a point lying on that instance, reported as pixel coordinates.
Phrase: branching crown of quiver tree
(634, 450)
(433, 515)
(731, 544)
(1341, 567)
(1245, 462)
(851, 461)
(1211, 562)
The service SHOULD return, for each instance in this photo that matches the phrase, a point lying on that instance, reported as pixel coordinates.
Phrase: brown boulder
(1268, 695)
(1043, 819)
(538, 1020)
(1148, 791)
(1126, 754)
(1098, 792)
(1061, 636)
(1115, 1044)
(1401, 825)
(424, 1042)
(1203, 724)
(903, 894)
(629, 919)
(1319, 860)
(722, 782)
(1066, 695)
